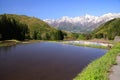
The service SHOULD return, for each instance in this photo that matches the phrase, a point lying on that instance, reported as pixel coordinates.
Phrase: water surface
(45, 61)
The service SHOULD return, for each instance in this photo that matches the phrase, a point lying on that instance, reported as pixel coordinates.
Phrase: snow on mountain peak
(82, 21)
(87, 16)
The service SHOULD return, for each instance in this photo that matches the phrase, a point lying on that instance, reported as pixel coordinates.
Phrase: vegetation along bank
(99, 69)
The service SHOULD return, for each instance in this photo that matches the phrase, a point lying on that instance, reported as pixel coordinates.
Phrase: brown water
(45, 61)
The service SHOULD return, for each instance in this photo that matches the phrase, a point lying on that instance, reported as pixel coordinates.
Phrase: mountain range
(81, 24)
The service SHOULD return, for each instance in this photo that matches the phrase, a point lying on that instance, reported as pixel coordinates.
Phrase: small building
(117, 39)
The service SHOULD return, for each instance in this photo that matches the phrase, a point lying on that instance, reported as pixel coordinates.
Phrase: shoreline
(14, 42)
(76, 43)
(99, 69)
(8, 43)
(89, 44)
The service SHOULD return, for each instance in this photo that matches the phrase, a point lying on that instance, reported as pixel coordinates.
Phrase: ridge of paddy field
(100, 68)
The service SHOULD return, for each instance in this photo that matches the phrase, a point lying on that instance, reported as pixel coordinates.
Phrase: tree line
(54, 35)
(10, 28)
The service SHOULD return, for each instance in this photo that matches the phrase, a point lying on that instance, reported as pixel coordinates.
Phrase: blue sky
(52, 9)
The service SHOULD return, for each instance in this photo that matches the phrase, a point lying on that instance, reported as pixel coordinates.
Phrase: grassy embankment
(13, 42)
(8, 42)
(99, 69)
(93, 46)
(87, 45)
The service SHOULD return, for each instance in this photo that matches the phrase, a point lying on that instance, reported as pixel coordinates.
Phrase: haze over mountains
(81, 24)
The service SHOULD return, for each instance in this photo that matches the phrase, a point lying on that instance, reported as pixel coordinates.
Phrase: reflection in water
(45, 61)
(5, 50)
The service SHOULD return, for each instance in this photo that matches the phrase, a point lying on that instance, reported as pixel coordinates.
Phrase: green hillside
(37, 28)
(108, 30)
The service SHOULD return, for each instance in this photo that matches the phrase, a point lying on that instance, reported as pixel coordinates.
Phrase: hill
(108, 30)
(37, 29)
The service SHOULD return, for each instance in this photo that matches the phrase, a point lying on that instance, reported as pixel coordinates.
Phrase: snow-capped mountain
(85, 23)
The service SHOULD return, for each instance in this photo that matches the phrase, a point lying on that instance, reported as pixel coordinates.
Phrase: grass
(99, 69)
(3, 44)
(8, 42)
(13, 42)
(93, 46)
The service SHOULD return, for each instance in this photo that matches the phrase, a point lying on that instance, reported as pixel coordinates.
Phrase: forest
(11, 28)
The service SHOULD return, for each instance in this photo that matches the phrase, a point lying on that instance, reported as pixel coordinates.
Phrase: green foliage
(59, 35)
(35, 34)
(12, 29)
(108, 30)
(98, 69)
(20, 27)
(8, 42)
(81, 37)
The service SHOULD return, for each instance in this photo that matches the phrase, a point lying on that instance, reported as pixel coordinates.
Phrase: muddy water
(45, 61)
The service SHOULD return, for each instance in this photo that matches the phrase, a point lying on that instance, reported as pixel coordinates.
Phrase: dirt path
(115, 71)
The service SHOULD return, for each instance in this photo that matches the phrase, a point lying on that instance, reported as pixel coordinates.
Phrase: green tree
(59, 35)
(81, 37)
(12, 29)
(35, 33)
